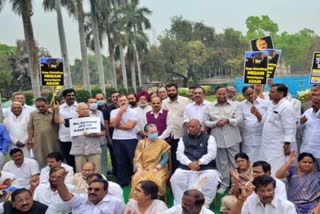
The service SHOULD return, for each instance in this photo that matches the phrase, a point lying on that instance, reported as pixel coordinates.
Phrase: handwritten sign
(84, 124)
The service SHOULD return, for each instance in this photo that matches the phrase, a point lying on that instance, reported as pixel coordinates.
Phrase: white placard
(84, 124)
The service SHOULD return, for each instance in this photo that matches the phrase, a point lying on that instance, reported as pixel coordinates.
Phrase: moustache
(92, 194)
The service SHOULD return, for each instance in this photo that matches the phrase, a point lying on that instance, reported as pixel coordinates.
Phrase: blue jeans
(124, 153)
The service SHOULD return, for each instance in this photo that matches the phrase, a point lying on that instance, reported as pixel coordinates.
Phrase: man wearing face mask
(309, 123)
(101, 101)
(143, 98)
(94, 112)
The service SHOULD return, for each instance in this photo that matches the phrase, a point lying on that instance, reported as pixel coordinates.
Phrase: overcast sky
(291, 16)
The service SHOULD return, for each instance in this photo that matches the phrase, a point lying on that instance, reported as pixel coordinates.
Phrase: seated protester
(302, 181)
(239, 177)
(264, 201)
(23, 168)
(151, 160)
(144, 200)
(114, 189)
(97, 200)
(47, 194)
(192, 202)
(196, 153)
(263, 168)
(23, 203)
(55, 159)
(6, 179)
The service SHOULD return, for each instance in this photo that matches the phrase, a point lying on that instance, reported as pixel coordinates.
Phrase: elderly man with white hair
(85, 147)
(17, 127)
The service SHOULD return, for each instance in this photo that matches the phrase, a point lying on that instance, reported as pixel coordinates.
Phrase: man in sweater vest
(196, 153)
(162, 118)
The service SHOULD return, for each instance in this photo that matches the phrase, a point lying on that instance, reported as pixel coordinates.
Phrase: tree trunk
(83, 47)
(136, 54)
(112, 64)
(63, 46)
(32, 53)
(133, 75)
(123, 67)
(97, 50)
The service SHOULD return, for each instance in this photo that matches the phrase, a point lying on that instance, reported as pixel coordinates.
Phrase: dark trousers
(113, 160)
(175, 162)
(124, 154)
(65, 149)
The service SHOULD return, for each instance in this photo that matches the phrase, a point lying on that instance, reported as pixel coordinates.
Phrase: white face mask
(93, 106)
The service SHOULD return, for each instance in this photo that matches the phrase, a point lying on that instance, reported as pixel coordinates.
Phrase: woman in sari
(144, 200)
(303, 182)
(240, 176)
(150, 160)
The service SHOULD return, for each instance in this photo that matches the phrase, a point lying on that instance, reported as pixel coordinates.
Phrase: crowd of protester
(262, 154)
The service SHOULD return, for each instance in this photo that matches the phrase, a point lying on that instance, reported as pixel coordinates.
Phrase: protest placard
(51, 71)
(78, 126)
(256, 67)
(261, 43)
(315, 69)
(274, 57)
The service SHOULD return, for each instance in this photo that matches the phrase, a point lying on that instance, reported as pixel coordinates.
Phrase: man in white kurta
(195, 110)
(23, 168)
(17, 127)
(253, 110)
(310, 125)
(279, 129)
(196, 153)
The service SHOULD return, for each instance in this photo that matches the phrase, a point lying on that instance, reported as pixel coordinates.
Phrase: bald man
(196, 153)
(85, 147)
(192, 203)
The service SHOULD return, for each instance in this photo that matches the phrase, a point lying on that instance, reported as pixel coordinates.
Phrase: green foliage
(260, 26)
(109, 91)
(29, 98)
(183, 92)
(131, 90)
(95, 90)
(82, 95)
(5, 49)
(123, 91)
(304, 96)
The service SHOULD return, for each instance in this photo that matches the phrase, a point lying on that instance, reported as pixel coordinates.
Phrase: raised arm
(283, 171)
(61, 186)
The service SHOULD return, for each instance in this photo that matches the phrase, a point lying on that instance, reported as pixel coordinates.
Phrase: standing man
(132, 100)
(232, 93)
(224, 116)
(124, 120)
(195, 110)
(253, 110)
(101, 101)
(315, 90)
(95, 112)
(42, 132)
(162, 92)
(161, 118)
(67, 110)
(175, 104)
(21, 98)
(143, 107)
(196, 153)
(17, 127)
(310, 125)
(279, 129)
(4, 143)
(86, 147)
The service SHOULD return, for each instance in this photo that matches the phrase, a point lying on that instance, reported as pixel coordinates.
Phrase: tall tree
(75, 8)
(24, 9)
(50, 5)
(136, 22)
(94, 9)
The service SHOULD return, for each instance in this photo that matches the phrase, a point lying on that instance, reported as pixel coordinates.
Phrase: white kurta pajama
(279, 127)
(205, 181)
(251, 128)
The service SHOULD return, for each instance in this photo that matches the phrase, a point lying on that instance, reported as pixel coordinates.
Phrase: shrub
(95, 90)
(29, 98)
(82, 95)
(304, 95)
